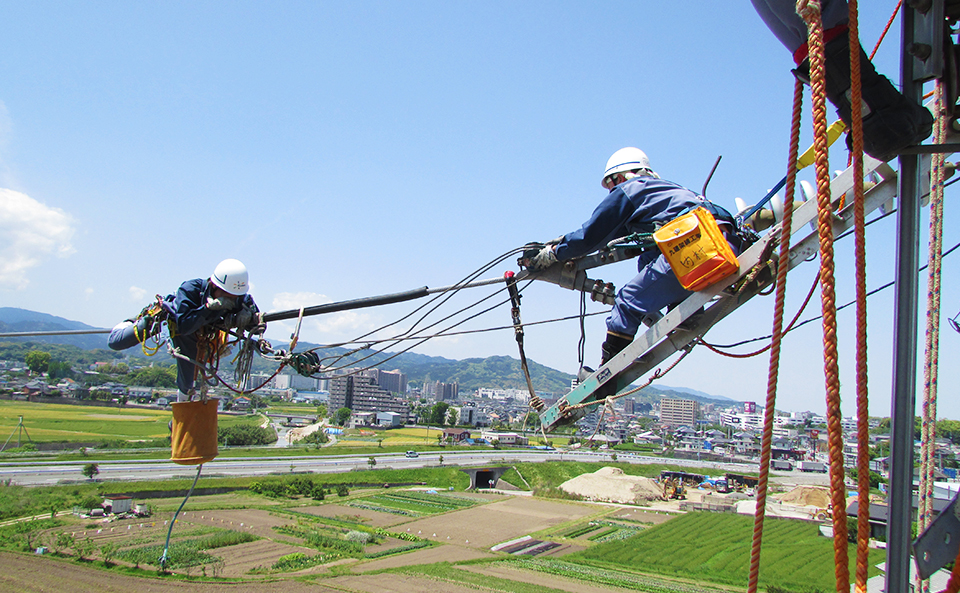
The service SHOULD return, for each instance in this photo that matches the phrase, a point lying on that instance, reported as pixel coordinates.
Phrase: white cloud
(88, 292)
(137, 294)
(32, 233)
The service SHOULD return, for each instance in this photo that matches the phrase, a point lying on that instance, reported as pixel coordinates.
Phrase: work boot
(891, 122)
(613, 345)
(586, 371)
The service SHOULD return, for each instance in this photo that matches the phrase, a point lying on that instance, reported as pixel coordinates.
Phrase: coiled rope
(809, 10)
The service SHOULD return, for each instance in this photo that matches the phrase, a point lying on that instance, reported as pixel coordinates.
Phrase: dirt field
(254, 521)
(402, 583)
(463, 535)
(240, 559)
(444, 553)
(643, 516)
(490, 524)
(538, 578)
(27, 574)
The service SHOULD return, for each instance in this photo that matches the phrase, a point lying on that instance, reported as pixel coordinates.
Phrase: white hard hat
(231, 276)
(626, 159)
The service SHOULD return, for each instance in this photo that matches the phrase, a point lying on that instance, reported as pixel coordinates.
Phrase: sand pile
(296, 434)
(807, 495)
(609, 484)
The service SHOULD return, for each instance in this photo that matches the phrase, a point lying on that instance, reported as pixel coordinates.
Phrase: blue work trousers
(124, 335)
(782, 19)
(652, 289)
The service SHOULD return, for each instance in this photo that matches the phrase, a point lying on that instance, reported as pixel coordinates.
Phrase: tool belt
(698, 253)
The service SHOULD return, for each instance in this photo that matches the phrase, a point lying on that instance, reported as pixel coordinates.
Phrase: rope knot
(809, 10)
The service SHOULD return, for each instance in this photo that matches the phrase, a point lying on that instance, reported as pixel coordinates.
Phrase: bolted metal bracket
(928, 46)
(938, 545)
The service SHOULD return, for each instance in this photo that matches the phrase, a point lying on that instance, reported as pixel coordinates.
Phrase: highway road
(37, 473)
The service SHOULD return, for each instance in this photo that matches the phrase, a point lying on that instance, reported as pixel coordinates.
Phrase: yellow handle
(833, 132)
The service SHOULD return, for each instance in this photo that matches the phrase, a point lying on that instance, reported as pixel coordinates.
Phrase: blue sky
(348, 149)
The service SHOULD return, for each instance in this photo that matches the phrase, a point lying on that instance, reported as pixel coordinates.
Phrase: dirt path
(29, 574)
(404, 583)
(537, 578)
(448, 553)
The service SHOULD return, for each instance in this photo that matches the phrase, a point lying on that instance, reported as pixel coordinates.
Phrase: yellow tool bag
(193, 434)
(696, 249)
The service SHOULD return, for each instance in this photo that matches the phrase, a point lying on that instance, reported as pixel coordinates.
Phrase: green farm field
(715, 547)
(82, 424)
(396, 437)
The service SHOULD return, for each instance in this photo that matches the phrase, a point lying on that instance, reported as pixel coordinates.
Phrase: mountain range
(501, 372)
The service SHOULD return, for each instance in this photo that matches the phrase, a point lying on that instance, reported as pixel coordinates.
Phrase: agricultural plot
(360, 516)
(259, 522)
(556, 575)
(56, 422)
(241, 559)
(606, 531)
(187, 553)
(305, 542)
(715, 547)
(487, 525)
(30, 574)
(396, 437)
(233, 543)
(84, 424)
(442, 553)
(412, 504)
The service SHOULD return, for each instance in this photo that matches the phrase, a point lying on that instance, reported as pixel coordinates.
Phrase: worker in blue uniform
(891, 122)
(220, 300)
(638, 202)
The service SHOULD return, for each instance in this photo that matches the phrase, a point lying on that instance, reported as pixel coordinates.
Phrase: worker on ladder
(220, 300)
(891, 122)
(639, 201)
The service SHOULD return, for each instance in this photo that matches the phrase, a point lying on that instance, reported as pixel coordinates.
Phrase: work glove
(244, 318)
(221, 304)
(544, 258)
(261, 325)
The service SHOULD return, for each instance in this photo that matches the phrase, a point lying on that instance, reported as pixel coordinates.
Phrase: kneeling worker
(201, 303)
(638, 202)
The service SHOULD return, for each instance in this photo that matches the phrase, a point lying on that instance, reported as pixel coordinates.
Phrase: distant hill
(694, 394)
(13, 319)
(499, 372)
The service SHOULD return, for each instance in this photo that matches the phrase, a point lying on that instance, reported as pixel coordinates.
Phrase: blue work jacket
(189, 306)
(638, 205)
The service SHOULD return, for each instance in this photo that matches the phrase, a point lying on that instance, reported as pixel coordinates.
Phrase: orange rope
(776, 339)
(810, 11)
(893, 16)
(803, 306)
(863, 411)
(928, 421)
(953, 585)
